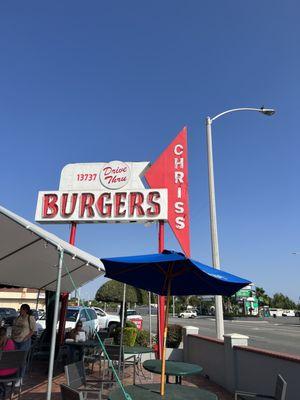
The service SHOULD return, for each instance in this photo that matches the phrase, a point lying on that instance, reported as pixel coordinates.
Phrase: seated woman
(6, 344)
(77, 332)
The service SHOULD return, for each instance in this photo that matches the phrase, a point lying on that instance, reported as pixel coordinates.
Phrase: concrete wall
(205, 351)
(235, 366)
(257, 370)
(14, 298)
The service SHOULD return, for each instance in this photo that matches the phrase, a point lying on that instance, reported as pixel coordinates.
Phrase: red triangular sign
(170, 171)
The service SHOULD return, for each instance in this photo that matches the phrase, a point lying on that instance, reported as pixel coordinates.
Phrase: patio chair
(91, 355)
(67, 393)
(40, 349)
(15, 359)
(101, 357)
(76, 379)
(113, 352)
(108, 341)
(280, 392)
(61, 358)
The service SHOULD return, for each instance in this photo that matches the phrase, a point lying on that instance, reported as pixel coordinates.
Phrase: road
(280, 334)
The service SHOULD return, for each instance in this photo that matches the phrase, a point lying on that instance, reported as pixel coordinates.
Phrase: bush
(130, 324)
(117, 327)
(142, 338)
(129, 336)
(174, 336)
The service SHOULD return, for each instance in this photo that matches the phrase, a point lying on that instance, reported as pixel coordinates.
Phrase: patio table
(173, 368)
(137, 352)
(152, 392)
(80, 346)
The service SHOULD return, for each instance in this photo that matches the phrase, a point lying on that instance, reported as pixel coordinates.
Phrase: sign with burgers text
(102, 192)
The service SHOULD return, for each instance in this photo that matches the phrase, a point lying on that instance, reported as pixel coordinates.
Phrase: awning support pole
(122, 328)
(37, 300)
(55, 319)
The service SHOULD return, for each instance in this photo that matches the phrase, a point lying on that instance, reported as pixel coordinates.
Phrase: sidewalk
(35, 385)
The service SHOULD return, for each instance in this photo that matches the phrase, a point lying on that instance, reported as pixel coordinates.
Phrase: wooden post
(163, 361)
(161, 299)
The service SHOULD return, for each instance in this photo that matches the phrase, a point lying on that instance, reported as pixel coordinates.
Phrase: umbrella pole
(150, 322)
(163, 360)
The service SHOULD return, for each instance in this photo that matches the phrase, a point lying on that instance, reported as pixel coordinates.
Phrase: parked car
(187, 314)
(86, 315)
(105, 320)
(7, 316)
(288, 313)
(134, 317)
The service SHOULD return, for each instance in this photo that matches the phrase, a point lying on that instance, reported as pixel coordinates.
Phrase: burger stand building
(114, 192)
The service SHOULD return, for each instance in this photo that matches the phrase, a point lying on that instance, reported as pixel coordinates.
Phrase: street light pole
(213, 227)
(212, 207)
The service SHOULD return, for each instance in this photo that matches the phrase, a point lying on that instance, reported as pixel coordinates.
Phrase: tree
(263, 298)
(279, 300)
(112, 292)
(194, 301)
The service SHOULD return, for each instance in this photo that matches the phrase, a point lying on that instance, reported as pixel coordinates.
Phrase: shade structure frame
(55, 319)
(28, 257)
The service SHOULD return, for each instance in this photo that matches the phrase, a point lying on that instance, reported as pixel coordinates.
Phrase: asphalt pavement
(280, 334)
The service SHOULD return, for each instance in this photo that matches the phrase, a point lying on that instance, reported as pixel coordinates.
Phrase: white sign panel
(102, 176)
(102, 206)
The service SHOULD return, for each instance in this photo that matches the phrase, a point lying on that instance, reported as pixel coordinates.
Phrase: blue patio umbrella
(184, 276)
(171, 273)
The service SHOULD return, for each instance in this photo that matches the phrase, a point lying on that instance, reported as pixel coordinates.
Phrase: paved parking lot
(280, 334)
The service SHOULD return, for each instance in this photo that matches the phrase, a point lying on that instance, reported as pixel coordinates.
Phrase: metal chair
(76, 379)
(280, 392)
(117, 358)
(15, 359)
(67, 393)
(91, 355)
(108, 341)
(40, 349)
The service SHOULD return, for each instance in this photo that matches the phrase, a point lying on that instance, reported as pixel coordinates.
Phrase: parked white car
(105, 320)
(187, 314)
(288, 313)
(86, 315)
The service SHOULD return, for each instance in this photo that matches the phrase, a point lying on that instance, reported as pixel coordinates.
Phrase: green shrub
(129, 336)
(130, 324)
(174, 336)
(142, 338)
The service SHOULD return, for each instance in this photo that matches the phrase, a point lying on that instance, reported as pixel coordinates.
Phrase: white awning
(29, 257)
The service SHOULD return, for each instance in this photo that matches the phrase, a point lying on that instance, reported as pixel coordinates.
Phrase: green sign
(244, 293)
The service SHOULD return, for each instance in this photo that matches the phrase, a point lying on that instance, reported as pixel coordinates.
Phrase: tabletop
(86, 343)
(174, 368)
(173, 392)
(137, 350)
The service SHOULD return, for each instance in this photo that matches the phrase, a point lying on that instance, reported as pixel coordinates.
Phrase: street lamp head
(267, 111)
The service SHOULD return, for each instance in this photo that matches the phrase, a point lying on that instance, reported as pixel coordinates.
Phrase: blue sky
(101, 81)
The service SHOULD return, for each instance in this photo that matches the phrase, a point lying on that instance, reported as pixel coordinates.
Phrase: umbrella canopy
(154, 272)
